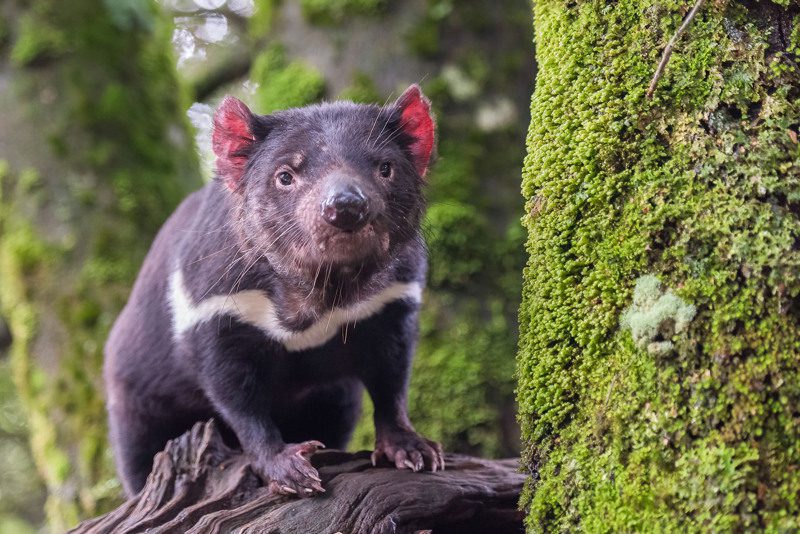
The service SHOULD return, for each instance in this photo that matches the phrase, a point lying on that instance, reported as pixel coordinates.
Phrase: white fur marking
(255, 308)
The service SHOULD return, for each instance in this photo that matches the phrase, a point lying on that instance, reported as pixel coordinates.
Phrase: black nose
(346, 208)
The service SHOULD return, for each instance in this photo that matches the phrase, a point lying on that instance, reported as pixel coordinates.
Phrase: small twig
(670, 45)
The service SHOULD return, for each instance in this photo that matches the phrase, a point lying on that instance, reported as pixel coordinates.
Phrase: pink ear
(231, 140)
(417, 122)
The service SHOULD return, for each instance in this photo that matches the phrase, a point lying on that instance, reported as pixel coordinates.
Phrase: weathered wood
(199, 484)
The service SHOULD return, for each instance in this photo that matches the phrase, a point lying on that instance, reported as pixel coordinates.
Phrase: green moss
(455, 230)
(20, 493)
(361, 90)
(794, 37)
(130, 14)
(337, 11)
(12, 524)
(284, 84)
(699, 186)
(23, 257)
(37, 38)
(260, 22)
(424, 39)
(453, 177)
(29, 180)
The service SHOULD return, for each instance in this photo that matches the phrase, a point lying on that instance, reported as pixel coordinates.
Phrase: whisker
(314, 282)
(212, 254)
(201, 233)
(394, 134)
(378, 116)
(224, 274)
(385, 124)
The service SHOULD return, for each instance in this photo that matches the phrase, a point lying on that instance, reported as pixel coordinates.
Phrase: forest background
(106, 109)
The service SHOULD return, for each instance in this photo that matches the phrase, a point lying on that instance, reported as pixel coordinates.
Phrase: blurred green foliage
(362, 90)
(111, 121)
(337, 11)
(116, 130)
(21, 495)
(282, 83)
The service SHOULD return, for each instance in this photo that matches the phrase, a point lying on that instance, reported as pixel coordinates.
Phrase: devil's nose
(346, 209)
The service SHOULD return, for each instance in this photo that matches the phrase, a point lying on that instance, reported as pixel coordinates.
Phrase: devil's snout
(346, 207)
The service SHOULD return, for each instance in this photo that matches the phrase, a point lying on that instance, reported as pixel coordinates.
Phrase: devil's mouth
(350, 244)
(362, 250)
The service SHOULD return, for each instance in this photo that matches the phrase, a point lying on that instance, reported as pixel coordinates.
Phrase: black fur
(254, 234)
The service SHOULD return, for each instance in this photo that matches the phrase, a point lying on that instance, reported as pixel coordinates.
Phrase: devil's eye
(386, 169)
(285, 178)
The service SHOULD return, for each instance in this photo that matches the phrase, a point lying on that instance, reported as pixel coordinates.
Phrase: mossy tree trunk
(95, 154)
(659, 363)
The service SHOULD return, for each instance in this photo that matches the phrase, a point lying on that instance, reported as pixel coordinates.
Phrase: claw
(309, 447)
(410, 465)
(400, 459)
(307, 471)
(290, 472)
(374, 458)
(418, 461)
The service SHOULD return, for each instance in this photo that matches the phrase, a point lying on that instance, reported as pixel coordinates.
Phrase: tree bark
(660, 325)
(94, 154)
(199, 484)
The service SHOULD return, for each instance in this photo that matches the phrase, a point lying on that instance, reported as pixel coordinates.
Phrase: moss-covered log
(659, 361)
(95, 155)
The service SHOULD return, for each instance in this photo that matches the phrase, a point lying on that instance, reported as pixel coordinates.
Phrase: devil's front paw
(289, 472)
(409, 450)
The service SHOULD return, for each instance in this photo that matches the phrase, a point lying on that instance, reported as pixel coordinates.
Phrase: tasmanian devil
(276, 292)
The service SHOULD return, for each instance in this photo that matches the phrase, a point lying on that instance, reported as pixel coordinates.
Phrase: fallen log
(199, 484)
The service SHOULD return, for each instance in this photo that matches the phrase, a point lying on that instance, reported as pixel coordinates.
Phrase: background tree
(660, 330)
(21, 492)
(95, 154)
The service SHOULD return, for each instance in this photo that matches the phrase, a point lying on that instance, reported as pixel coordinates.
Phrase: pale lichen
(655, 316)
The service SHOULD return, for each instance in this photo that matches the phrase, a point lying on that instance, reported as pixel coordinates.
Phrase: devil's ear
(417, 122)
(232, 140)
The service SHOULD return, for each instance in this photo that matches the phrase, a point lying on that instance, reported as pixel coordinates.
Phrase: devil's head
(336, 185)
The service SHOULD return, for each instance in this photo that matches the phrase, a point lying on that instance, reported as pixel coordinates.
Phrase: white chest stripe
(255, 308)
